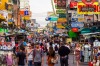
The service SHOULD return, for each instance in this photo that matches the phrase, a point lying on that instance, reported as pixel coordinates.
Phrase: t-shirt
(21, 56)
(38, 55)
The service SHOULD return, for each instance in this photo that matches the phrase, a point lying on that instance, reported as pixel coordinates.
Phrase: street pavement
(71, 62)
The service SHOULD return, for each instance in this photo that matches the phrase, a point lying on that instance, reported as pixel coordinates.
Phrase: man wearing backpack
(38, 56)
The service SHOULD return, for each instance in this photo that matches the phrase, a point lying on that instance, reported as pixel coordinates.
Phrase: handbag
(54, 60)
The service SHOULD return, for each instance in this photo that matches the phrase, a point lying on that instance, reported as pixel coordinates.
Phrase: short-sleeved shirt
(21, 56)
(38, 55)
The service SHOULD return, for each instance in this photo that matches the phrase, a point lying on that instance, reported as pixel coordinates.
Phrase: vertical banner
(61, 4)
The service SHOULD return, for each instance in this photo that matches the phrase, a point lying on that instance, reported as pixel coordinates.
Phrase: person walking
(21, 57)
(38, 56)
(29, 55)
(77, 53)
(63, 52)
(50, 56)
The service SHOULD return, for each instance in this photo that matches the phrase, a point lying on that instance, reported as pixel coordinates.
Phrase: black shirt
(21, 56)
(63, 51)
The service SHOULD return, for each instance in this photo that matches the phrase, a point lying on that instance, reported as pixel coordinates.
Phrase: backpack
(56, 48)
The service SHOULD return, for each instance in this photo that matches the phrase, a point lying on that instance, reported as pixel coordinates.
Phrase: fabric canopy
(85, 30)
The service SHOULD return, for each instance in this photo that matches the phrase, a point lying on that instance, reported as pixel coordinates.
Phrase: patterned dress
(77, 54)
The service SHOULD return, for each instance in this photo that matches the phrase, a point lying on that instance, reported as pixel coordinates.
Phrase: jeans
(30, 63)
(64, 61)
(37, 63)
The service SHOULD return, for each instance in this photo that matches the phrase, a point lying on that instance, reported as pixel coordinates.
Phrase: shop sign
(80, 19)
(74, 19)
(62, 15)
(73, 4)
(77, 24)
(61, 4)
(62, 20)
(77, 17)
(58, 11)
(26, 13)
(88, 8)
(21, 13)
(52, 18)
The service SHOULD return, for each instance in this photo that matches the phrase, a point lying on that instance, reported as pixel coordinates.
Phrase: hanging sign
(26, 13)
(77, 24)
(88, 8)
(58, 11)
(73, 4)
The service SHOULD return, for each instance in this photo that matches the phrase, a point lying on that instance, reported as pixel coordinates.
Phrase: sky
(39, 10)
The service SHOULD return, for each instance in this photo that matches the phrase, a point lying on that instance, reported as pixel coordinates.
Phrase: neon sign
(88, 7)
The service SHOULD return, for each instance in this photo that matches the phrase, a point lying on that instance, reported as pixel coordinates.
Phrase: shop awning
(85, 30)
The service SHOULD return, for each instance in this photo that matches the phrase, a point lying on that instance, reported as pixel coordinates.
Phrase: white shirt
(48, 46)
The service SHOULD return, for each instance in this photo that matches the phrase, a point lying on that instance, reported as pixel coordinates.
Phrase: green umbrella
(3, 30)
(72, 34)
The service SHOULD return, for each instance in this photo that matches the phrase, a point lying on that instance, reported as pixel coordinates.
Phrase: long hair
(51, 50)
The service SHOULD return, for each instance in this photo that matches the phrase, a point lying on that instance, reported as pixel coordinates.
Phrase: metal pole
(53, 7)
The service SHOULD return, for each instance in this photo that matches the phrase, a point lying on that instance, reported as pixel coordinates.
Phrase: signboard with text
(73, 4)
(86, 8)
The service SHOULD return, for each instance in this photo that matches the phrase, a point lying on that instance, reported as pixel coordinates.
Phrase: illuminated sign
(88, 9)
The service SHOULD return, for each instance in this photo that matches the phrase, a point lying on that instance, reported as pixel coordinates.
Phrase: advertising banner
(61, 11)
(74, 19)
(73, 4)
(77, 24)
(61, 4)
(59, 25)
(84, 8)
(62, 15)
(62, 20)
(88, 18)
(26, 13)
(77, 17)
(80, 19)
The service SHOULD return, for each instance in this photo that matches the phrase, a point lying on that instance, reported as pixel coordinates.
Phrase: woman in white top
(30, 55)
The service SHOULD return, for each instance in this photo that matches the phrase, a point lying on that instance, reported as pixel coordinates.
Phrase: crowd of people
(33, 51)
